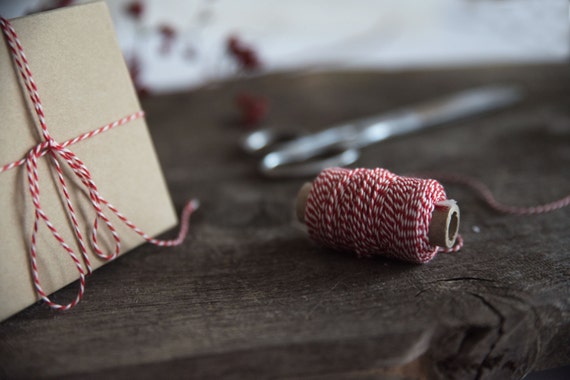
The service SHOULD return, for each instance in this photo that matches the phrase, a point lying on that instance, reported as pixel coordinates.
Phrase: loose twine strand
(59, 151)
(375, 212)
(487, 196)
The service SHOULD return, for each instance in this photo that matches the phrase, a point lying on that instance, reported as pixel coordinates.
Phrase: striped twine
(374, 212)
(59, 151)
(487, 196)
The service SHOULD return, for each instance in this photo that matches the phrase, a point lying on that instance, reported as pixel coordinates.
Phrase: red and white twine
(59, 152)
(373, 211)
(487, 196)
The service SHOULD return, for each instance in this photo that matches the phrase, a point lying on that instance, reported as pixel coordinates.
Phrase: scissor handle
(301, 156)
(263, 141)
(276, 163)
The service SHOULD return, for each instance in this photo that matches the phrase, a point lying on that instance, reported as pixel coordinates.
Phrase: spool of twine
(375, 212)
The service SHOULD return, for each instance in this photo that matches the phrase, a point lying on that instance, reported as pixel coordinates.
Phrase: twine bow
(59, 152)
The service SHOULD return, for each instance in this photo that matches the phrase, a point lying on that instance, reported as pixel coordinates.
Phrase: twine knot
(59, 152)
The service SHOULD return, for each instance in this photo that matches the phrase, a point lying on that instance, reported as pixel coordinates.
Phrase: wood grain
(249, 296)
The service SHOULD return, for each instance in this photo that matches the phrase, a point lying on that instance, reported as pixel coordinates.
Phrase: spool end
(444, 226)
(302, 200)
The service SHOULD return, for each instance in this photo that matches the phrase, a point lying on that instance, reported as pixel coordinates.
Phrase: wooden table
(249, 296)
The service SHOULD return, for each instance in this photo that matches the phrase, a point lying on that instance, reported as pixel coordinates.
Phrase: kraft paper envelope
(84, 84)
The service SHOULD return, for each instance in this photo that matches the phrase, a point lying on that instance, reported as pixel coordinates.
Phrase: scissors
(339, 145)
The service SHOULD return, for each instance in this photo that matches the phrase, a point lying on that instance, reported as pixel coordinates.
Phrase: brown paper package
(84, 84)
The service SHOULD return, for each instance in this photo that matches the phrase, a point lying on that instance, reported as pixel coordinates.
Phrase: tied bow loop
(60, 154)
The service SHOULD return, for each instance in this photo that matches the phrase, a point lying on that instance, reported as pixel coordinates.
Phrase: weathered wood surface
(248, 295)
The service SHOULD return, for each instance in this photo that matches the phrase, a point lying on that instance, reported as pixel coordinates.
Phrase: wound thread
(374, 212)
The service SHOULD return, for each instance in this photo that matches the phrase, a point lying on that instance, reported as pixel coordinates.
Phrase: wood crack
(465, 278)
(453, 279)
(486, 360)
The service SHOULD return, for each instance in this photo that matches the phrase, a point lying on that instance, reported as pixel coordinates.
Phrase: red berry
(253, 109)
(244, 55)
(168, 34)
(167, 31)
(135, 9)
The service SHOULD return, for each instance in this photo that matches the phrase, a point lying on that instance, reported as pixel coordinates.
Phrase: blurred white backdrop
(327, 34)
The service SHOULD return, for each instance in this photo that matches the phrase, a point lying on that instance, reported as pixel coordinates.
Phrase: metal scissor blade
(434, 113)
(363, 132)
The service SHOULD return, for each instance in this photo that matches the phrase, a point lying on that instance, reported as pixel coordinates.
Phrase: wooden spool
(443, 227)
